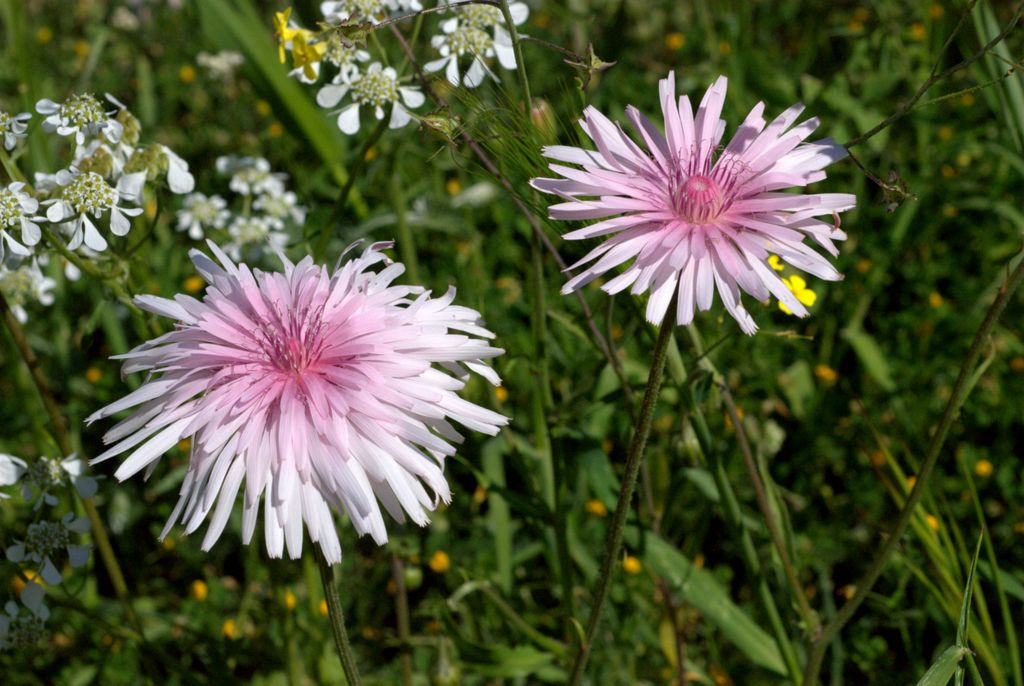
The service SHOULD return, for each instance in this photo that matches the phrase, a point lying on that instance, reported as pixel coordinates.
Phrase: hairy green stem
(524, 82)
(957, 397)
(632, 469)
(63, 438)
(348, 661)
(402, 616)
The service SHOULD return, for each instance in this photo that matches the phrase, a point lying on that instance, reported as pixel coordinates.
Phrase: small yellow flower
(323, 608)
(948, 171)
(698, 561)
(848, 591)
(168, 543)
(936, 11)
(282, 31)
(663, 423)
(775, 263)
(440, 562)
(863, 266)
(1018, 528)
(453, 186)
(917, 31)
(187, 73)
(289, 600)
(1017, 364)
(949, 211)
(229, 629)
(724, 48)
(275, 130)
(945, 133)
(933, 522)
(93, 375)
(967, 99)
(479, 495)
(44, 35)
(596, 508)
(501, 394)
(194, 284)
(263, 108)
(199, 590)
(370, 154)
(911, 481)
(675, 40)
(983, 468)
(935, 300)
(799, 287)
(81, 48)
(826, 374)
(616, 332)
(185, 445)
(306, 54)
(631, 565)
(963, 159)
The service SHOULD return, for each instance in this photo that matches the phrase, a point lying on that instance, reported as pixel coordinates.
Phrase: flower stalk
(613, 547)
(337, 616)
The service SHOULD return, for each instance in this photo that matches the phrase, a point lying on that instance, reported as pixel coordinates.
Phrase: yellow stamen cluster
(83, 110)
(89, 194)
(10, 207)
(375, 88)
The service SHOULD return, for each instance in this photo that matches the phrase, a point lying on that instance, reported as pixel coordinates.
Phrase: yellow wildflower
(289, 600)
(631, 565)
(798, 285)
(596, 508)
(935, 300)
(675, 40)
(501, 394)
(323, 607)
(187, 73)
(917, 31)
(933, 522)
(440, 562)
(826, 374)
(775, 263)
(453, 186)
(44, 35)
(194, 284)
(229, 629)
(199, 590)
(983, 468)
(93, 375)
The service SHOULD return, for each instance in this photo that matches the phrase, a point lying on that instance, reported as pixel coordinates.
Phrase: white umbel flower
(280, 209)
(13, 128)
(46, 474)
(11, 469)
(16, 211)
(250, 175)
(23, 630)
(45, 540)
(202, 212)
(86, 196)
(377, 88)
(251, 236)
(81, 116)
(25, 283)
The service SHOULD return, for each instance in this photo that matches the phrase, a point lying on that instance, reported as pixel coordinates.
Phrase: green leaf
(963, 626)
(871, 356)
(699, 588)
(943, 667)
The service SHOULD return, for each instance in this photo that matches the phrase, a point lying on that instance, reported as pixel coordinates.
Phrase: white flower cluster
(47, 544)
(373, 85)
(476, 33)
(266, 209)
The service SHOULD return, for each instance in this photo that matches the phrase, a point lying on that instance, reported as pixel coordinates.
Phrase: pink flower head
(696, 217)
(319, 390)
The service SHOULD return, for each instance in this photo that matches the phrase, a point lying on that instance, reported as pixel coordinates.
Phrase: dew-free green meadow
(648, 495)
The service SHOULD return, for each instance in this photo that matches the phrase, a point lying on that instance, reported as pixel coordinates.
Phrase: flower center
(83, 110)
(89, 193)
(10, 208)
(469, 38)
(480, 15)
(699, 200)
(375, 88)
